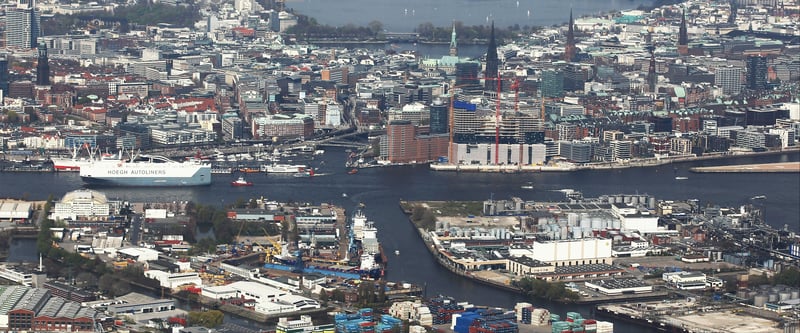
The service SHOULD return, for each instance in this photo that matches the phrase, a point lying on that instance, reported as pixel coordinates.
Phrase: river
(406, 15)
(380, 189)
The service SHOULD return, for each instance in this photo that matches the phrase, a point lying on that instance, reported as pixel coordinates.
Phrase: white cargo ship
(150, 170)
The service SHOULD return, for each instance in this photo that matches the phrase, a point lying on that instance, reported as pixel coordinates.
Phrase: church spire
(683, 36)
(569, 48)
(492, 63)
(453, 42)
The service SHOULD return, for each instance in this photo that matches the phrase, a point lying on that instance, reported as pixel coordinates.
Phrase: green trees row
(210, 319)
(423, 217)
(543, 289)
(308, 28)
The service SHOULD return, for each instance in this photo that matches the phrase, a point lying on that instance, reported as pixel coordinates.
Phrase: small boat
(681, 178)
(527, 186)
(241, 182)
(759, 197)
(352, 171)
(344, 195)
(397, 252)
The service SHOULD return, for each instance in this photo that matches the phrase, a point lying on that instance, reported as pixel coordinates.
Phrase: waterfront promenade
(634, 163)
(789, 167)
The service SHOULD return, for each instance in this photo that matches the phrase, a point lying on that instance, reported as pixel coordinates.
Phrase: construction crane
(498, 79)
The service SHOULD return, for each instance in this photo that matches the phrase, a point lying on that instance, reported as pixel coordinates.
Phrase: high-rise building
(575, 77)
(683, 36)
(756, 72)
(22, 27)
(4, 76)
(439, 117)
(492, 64)
(552, 83)
(467, 74)
(42, 67)
(569, 48)
(729, 78)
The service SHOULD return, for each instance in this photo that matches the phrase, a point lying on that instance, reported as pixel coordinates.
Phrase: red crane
(515, 86)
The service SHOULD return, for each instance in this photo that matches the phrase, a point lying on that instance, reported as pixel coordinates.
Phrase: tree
(210, 319)
(12, 117)
(375, 27)
(789, 277)
(86, 279)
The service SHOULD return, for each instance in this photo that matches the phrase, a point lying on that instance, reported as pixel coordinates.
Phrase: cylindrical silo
(795, 294)
(773, 297)
(784, 296)
(597, 222)
(585, 220)
(651, 203)
(577, 232)
(573, 219)
(760, 300)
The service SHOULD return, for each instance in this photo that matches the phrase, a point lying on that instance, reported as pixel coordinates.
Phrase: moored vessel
(285, 168)
(152, 170)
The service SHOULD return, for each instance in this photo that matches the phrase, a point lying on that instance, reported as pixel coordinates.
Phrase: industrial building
(174, 280)
(33, 309)
(267, 299)
(11, 210)
(573, 252)
(619, 286)
(82, 204)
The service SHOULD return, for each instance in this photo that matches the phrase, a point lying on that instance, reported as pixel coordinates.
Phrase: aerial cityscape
(459, 166)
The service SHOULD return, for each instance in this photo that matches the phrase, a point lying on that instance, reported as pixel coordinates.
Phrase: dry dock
(787, 167)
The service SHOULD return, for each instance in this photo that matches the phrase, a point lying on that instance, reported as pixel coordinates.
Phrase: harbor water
(381, 189)
(405, 16)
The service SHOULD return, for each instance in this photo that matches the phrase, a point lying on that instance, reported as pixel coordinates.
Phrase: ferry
(284, 168)
(241, 182)
(149, 170)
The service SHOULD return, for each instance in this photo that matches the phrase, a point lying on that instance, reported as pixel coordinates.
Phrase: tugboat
(241, 182)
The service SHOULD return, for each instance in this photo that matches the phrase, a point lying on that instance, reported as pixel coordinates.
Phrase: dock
(782, 167)
(690, 316)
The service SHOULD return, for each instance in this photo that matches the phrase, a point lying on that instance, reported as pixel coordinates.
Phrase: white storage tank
(577, 232)
(760, 300)
(597, 223)
(795, 294)
(585, 220)
(573, 219)
(773, 297)
(783, 296)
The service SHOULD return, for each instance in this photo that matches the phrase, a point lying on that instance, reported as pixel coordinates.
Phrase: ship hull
(196, 180)
(147, 174)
